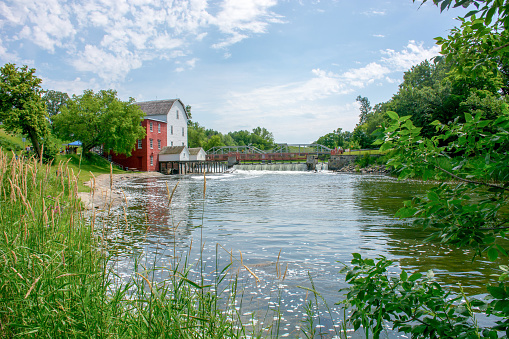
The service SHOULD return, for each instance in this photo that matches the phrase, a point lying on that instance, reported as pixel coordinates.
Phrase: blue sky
(294, 67)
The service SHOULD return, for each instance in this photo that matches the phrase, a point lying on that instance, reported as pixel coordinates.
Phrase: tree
(21, 106)
(471, 211)
(262, 138)
(214, 141)
(433, 91)
(337, 138)
(188, 111)
(196, 136)
(365, 108)
(101, 119)
(54, 101)
(241, 138)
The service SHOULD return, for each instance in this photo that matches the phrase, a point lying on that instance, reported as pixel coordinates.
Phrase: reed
(55, 281)
(57, 276)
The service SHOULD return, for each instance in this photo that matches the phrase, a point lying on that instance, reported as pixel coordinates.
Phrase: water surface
(300, 225)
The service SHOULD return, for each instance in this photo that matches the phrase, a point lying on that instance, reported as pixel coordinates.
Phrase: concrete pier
(192, 167)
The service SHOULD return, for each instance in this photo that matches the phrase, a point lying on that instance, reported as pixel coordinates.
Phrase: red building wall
(140, 157)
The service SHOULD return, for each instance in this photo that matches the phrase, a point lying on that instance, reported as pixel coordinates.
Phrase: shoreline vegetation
(57, 277)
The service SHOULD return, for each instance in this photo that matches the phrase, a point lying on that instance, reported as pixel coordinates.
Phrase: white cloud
(379, 35)
(76, 86)
(303, 103)
(413, 54)
(363, 76)
(238, 19)
(111, 37)
(114, 67)
(373, 12)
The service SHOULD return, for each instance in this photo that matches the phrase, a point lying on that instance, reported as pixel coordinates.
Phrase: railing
(280, 148)
(230, 149)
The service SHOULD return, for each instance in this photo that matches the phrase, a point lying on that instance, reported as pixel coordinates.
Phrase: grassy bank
(84, 167)
(55, 280)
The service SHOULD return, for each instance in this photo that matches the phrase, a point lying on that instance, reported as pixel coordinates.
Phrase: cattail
(170, 196)
(204, 184)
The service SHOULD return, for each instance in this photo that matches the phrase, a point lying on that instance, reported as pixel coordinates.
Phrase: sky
(293, 67)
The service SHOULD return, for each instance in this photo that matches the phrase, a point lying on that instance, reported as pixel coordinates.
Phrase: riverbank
(104, 192)
(372, 169)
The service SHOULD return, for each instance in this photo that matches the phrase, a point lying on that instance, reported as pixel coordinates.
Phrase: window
(158, 128)
(151, 160)
(182, 131)
(140, 145)
(172, 143)
(151, 143)
(151, 127)
(177, 114)
(171, 129)
(182, 143)
(158, 143)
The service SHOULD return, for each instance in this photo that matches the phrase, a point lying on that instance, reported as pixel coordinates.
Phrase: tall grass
(57, 278)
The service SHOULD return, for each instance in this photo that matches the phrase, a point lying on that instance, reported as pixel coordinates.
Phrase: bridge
(282, 152)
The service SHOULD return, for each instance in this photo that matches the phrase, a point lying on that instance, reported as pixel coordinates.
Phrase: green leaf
(497, 292)
(432, 196)
(415, 276)
(393, 115)
(492, 254)
(403, 276)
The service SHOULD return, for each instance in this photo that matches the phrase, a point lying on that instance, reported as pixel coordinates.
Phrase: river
(298, 225)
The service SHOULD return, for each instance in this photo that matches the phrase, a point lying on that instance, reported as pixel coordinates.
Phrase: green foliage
(337, 138)
(8, 145)
(51, 149)
(432, 91)
(365, 160)
(198, 136)
(472, 211)
(260, 138)
(21, 106)
(481, 44)
(55, 100)
(56, 283)
(101, 119)
(412, 303)
(365, 108)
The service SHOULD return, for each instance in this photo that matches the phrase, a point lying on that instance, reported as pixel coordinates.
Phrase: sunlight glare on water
(300, 225)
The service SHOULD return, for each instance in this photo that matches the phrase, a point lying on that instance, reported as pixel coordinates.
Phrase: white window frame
(158, 143)
(151, 127)
(151, 143)
(158, 128)
(140, 144)
(151, 160)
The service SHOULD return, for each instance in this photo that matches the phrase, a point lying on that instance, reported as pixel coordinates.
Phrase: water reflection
(304, 221)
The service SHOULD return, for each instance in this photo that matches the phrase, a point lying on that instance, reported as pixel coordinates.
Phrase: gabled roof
(195, 150)
(172, 150)
(159, 107)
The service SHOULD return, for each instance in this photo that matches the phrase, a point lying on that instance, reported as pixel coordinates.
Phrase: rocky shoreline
(373, 169)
